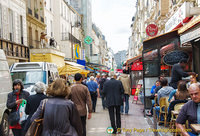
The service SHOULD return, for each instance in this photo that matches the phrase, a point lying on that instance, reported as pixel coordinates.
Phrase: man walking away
(94, 92)
(113, 91)
(101, 83)
(126, 82)
(178, 73)
(81, 96)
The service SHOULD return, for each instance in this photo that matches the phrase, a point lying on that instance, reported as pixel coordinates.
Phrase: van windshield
(29, 77)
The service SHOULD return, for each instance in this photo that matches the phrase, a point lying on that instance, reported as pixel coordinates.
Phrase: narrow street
(134, 121)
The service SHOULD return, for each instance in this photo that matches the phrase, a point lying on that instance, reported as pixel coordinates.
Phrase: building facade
(35, 24)
(120, 57)
(13, 30)
(166, 14)
(84, 7)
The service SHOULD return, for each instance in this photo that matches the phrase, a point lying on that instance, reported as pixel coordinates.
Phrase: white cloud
(114, 18)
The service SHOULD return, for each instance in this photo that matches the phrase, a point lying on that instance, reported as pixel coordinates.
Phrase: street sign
(152, 30)
(88, 40)
(77, 51)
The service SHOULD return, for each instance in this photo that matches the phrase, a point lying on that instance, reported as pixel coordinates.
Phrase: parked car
(32, 72)
(5, 88)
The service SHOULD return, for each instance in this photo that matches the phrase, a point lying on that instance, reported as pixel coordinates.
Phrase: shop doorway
(196, 58)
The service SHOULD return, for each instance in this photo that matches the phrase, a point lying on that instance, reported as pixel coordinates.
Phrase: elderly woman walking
(33, 102)
(61, 117)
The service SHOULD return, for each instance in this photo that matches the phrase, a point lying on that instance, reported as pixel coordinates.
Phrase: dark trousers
(83, 120)
(94, 100)
(19, 132)
(114, 112)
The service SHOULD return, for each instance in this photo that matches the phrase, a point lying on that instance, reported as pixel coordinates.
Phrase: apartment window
(64, 11)
(36, 39)
(29, 4)
(50, 5)
(11, 26)
(1, 24)
(21, 30)
(61, 9)
(62, 32)
(51, 23)
(30, 37)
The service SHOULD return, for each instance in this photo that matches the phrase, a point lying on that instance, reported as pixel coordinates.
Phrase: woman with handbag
(60, 116)
(14, 100)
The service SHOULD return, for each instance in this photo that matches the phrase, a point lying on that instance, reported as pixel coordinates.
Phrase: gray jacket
(164, 92)
(61, 118)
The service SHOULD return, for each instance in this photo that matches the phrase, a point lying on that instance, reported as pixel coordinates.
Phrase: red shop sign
(152, 30)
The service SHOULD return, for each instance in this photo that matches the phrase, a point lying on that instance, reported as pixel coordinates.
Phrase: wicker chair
(163, 102)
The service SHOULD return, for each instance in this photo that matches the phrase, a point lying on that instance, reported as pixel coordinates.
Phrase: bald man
(190, 111)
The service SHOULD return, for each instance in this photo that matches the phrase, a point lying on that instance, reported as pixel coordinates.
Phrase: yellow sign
(77, 51)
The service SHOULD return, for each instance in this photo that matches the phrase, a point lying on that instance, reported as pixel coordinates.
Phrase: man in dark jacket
(178, 73)
(113, 91)
(101, 84)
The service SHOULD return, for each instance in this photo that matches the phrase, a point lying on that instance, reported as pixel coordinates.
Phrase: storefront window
(151, 55)
(151, 69)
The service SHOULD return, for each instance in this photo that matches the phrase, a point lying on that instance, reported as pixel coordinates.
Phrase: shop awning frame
(129, 61)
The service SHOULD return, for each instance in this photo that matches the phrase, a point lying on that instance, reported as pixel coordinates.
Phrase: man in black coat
(113, 91)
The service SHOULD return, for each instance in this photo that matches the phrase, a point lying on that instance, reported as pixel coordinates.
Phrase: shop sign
(178, 17)
(77, 51)
(174, 57)
(190, 36)
(152, 30)
(88, 40)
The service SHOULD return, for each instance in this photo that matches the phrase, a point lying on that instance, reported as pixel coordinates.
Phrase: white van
(32, 72)
(5, 88)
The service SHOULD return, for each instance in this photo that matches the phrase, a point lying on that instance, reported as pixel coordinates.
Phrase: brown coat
(126, 82)
(81, 96)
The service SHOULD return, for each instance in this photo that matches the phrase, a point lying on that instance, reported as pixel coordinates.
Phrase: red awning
(104, 71)
(129, 61)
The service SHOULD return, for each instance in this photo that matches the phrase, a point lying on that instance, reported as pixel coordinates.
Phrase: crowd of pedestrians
(66, 107)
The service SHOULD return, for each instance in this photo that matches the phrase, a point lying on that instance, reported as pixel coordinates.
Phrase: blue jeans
(191, 134)
(126, 97)
(157, 109)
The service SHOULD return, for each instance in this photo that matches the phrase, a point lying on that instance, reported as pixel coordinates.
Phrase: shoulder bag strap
(43, 106)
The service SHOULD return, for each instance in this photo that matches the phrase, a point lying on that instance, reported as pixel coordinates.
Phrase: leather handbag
(14, 118)
(37, 125)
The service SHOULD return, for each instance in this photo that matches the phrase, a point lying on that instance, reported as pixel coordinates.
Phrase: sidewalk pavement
(133, 124)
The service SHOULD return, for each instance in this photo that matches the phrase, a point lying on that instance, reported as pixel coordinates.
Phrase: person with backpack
(101, 83)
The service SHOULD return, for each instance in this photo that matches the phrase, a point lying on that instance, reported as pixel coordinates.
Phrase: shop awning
(68, 69)
(189, 25)
(159, 41)
(74, 64)
(104, 71)
(87, 68)
(129, 61)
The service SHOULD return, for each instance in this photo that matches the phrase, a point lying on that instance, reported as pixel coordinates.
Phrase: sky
(114, 18)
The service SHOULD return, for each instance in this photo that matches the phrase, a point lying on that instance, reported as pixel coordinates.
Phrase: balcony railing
(12, 49)
(29, 11)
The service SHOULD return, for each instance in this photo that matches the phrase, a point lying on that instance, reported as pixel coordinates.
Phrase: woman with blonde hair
(61, 117)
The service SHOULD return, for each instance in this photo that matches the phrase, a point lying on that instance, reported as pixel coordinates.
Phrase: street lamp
(77, 24)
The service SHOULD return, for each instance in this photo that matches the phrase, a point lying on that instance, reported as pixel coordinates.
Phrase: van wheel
(5, 125)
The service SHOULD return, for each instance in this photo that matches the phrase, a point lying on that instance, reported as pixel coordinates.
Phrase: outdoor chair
(163, 102)
(177, 108)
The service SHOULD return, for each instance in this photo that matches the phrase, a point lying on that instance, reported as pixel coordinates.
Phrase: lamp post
(77, 24)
